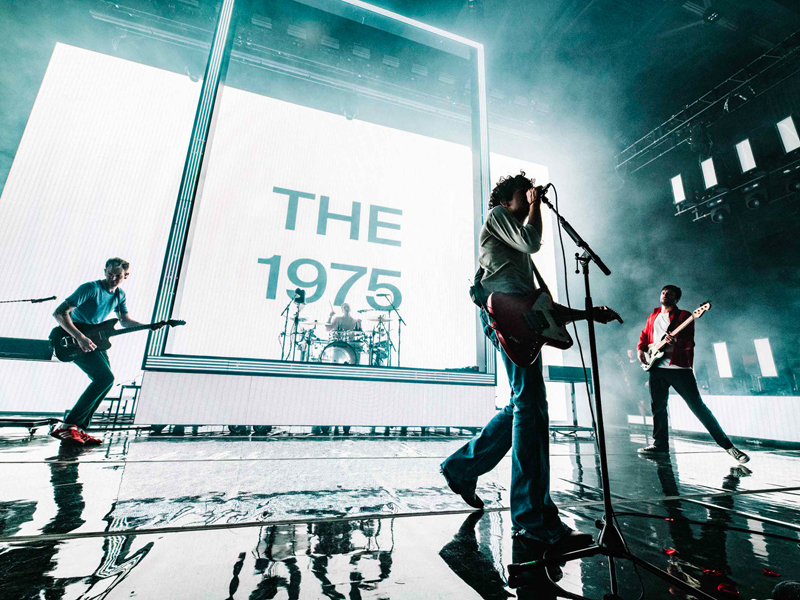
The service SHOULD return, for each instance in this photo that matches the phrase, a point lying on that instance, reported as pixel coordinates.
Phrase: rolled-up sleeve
(503, 225)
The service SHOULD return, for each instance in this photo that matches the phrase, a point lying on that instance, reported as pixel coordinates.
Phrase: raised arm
(525, 238)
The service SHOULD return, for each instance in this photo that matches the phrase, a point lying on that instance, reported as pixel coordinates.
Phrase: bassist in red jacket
(674, 370)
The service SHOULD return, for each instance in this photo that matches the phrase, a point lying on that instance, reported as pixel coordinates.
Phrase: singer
(511, 233)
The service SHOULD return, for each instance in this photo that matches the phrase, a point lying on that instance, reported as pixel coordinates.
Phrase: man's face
(668, 297)
(346, 309)
(519, 203)
(115, 276)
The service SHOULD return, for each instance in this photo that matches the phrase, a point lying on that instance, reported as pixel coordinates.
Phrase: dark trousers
(683, 381)
(96, 366)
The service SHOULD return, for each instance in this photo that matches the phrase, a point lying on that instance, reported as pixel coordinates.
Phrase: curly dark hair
(507, 187)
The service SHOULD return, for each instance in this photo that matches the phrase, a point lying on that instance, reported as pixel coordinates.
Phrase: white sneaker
(738, 454)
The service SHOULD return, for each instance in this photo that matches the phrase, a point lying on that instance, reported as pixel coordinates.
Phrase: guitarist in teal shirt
(91, 303)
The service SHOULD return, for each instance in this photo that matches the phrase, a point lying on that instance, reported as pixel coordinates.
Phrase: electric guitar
(524, 324)
(656, 350)
(67, 349)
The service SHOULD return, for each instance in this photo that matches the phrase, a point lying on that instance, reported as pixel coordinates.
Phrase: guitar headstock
(698, 312)
(175, 323)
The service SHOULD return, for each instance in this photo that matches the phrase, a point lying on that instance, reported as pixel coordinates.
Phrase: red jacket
(683, 352)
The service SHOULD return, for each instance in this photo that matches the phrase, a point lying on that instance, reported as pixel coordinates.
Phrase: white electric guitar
(656, 349)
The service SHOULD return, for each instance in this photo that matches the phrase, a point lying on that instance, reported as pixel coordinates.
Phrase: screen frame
(157, 359)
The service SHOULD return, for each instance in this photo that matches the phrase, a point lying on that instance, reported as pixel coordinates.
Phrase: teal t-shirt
(93, 302)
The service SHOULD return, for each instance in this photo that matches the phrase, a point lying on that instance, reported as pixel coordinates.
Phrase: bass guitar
(66, 347)
(524, 324)
(656, 350)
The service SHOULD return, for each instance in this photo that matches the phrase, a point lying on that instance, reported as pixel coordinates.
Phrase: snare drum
(339, 353)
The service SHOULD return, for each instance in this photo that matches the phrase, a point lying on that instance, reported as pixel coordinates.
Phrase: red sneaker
(69, 436)
(89, 440)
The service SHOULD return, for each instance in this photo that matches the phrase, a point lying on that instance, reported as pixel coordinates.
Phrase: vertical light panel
(765, 360)
(709, 173)
(189, 181)
(723, 361)
(746, 158)
(788, 133)
(677, 189)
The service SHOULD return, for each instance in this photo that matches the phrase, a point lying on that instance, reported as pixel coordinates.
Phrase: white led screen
(709, 173)
(765, 359)
(746, 159)
(347, 210)
(723, 361)
(788, 133)
(97, 173)
(677, 189)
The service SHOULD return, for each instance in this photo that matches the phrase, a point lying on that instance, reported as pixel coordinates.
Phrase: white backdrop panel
(96, 175)
(232, 399)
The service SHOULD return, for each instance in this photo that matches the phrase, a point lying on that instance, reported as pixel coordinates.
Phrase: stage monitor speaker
(25, 349)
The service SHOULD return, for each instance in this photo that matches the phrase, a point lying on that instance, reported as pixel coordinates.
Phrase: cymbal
(380, 318)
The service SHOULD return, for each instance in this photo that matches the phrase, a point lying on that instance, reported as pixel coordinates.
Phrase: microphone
(384, 295)
(543, 189)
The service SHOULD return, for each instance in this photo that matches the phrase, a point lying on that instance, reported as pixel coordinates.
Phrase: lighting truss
(766, 71)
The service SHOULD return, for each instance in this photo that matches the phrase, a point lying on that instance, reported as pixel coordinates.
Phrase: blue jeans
(522, 427)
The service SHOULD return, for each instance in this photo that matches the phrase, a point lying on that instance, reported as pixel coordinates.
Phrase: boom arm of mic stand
(579, 241)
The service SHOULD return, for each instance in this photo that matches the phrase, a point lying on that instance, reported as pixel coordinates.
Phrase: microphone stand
(400, 323)
(31, 300)
(610, 542)
(285, 327)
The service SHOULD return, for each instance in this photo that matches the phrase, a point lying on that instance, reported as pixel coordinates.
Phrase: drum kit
(372, 347)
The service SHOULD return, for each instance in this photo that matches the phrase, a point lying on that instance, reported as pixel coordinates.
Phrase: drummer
(343, 323)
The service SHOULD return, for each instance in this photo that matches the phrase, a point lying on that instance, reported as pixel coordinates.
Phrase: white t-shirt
(660, 326)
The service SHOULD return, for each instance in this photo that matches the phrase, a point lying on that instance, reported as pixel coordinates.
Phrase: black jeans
(683, 381)
(96, 366)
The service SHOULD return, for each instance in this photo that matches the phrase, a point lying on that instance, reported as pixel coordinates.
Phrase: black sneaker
(653, 450)
(738, 455)
(466, 492)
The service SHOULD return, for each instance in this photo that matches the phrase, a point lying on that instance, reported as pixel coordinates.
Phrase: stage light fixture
(746, 158)
(711, 15)
(719, 214)
(765, 359)
(709, 173)
(788, 133)
(791, 178)
(754, 195)
(723, 361)
(677, 189)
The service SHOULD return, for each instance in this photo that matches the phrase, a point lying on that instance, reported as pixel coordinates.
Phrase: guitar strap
(540, 279)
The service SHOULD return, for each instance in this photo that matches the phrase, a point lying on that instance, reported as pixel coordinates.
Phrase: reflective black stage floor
(362, 517)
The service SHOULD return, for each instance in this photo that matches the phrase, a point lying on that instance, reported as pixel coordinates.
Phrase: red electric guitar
(524, 324)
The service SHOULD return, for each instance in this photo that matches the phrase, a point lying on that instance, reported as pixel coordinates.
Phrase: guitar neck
(129, 329)
(676, 331)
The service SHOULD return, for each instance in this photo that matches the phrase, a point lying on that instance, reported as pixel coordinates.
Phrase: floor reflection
(33, 564)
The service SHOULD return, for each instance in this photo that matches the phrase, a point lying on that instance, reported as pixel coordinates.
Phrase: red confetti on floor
(670, 551)
(726, 588)
(769, 573)
(712, 572)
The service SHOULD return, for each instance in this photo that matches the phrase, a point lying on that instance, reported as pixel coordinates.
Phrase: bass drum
(340, 353)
